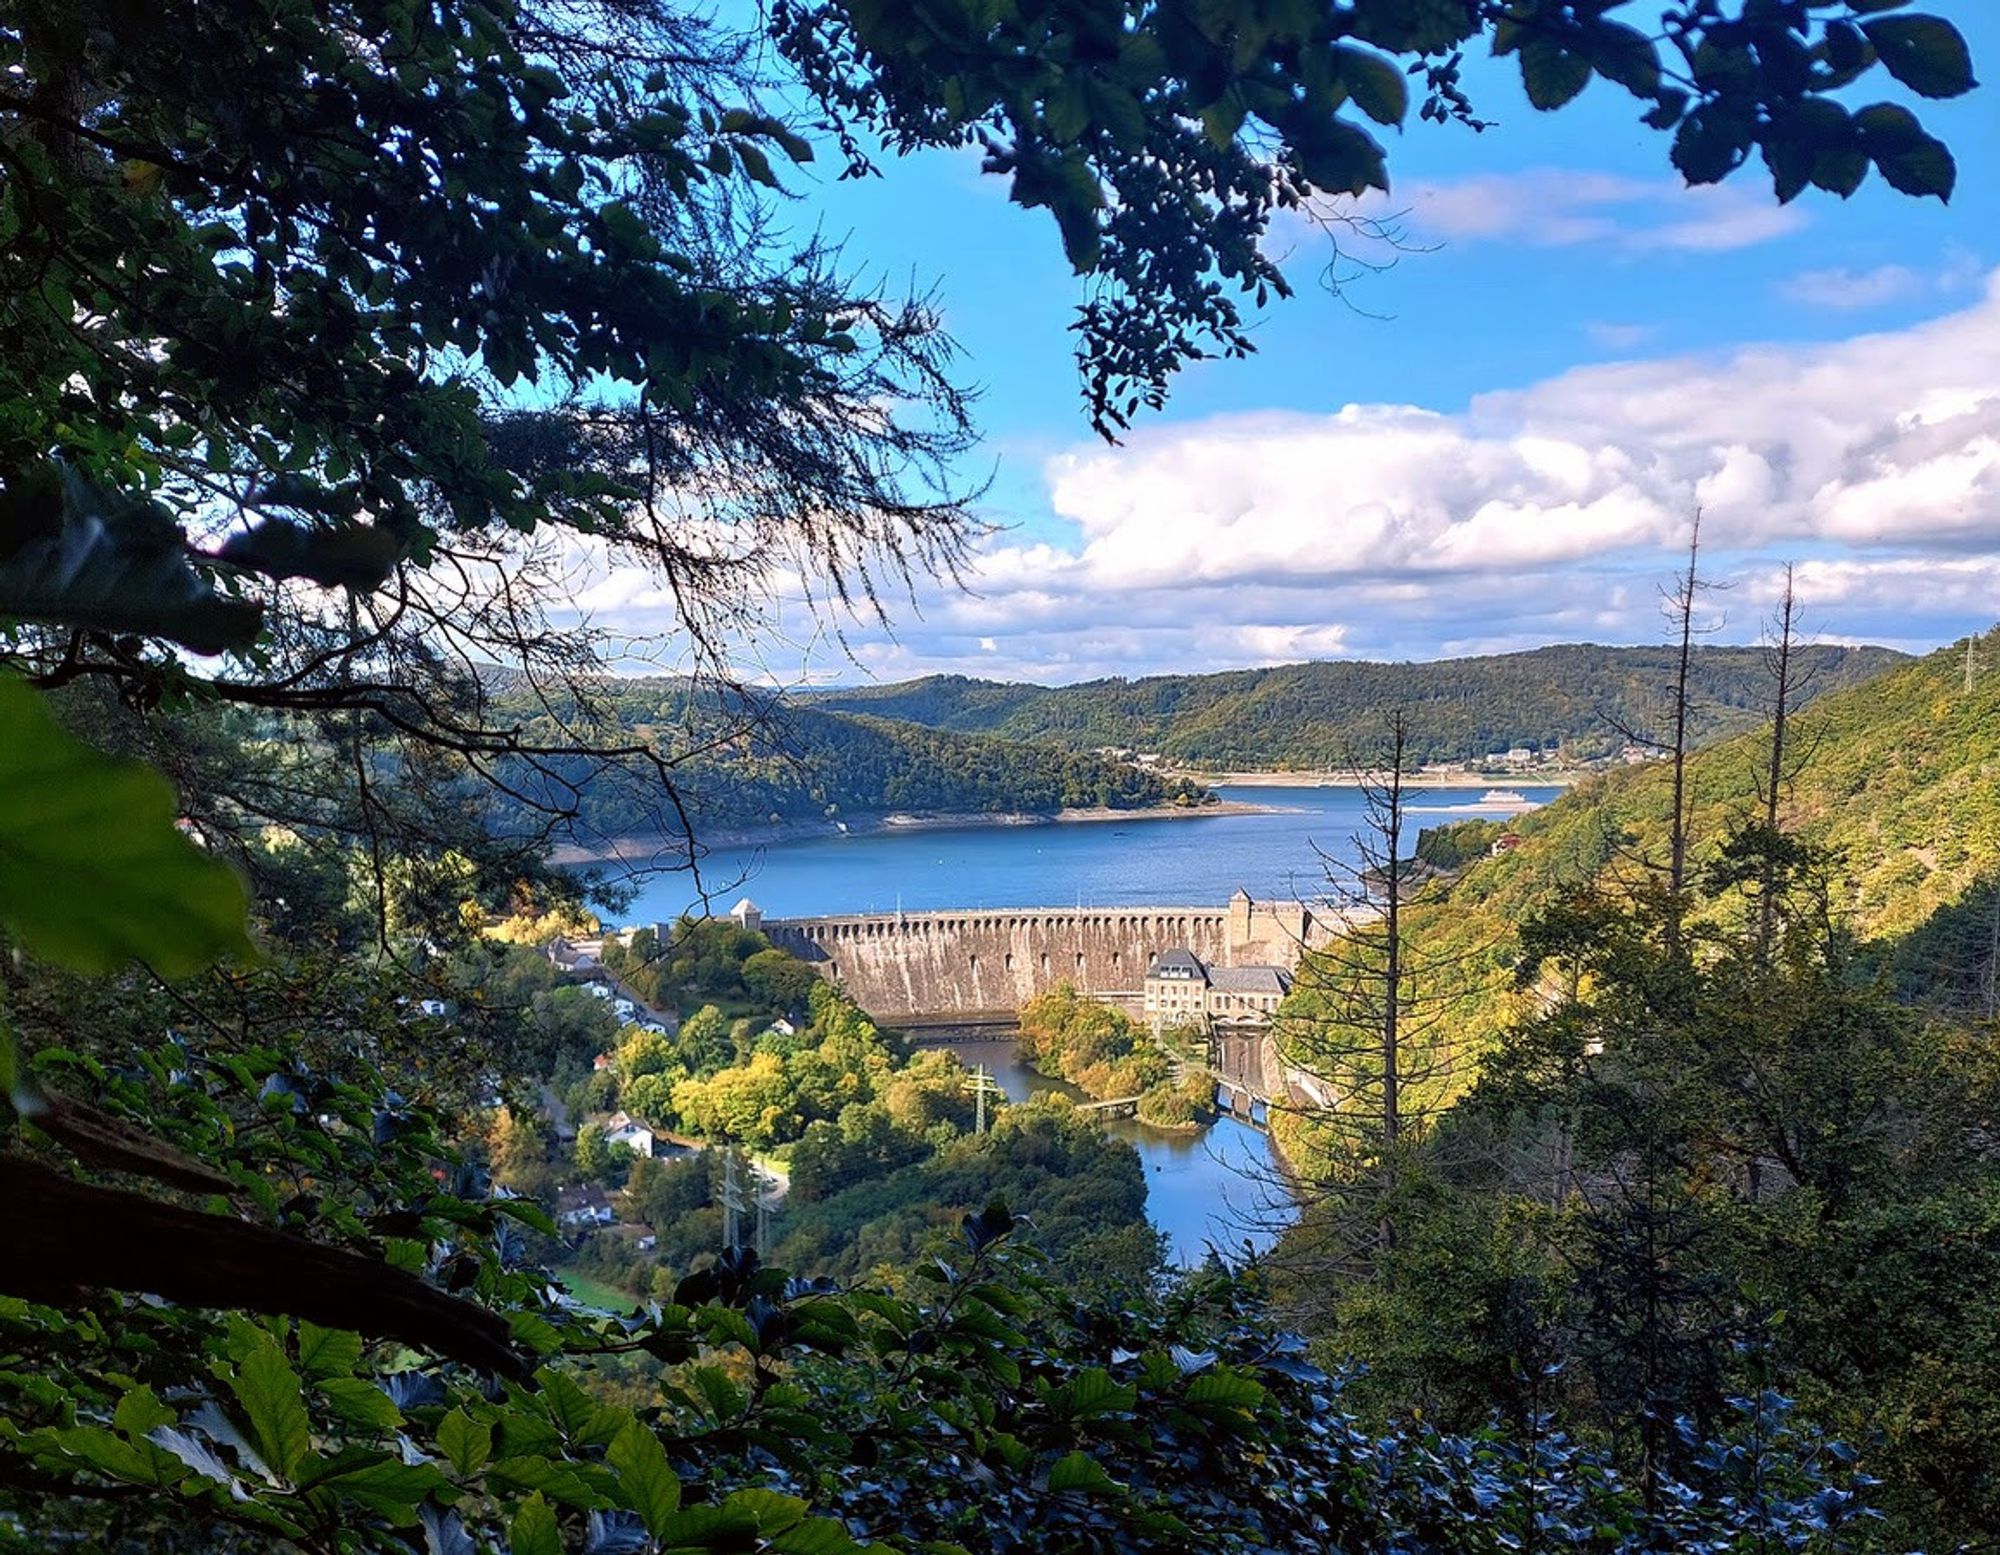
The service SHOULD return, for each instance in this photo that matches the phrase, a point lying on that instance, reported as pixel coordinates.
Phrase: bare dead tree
(1681, 604)
(1367, 1022)
(1784, 761)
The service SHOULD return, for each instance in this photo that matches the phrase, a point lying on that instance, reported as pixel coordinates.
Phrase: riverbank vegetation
(761, 761)
(1098, 1049)
(1567, 700)
(863, 1149)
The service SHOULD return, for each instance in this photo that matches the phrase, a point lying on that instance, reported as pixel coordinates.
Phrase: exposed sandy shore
(655, 851)
(1347, 779)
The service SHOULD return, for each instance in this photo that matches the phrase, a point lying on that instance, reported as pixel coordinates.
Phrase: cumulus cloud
(1540, 514)
(1880, 440)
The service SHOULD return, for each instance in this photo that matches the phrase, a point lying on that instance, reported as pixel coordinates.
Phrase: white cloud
(1563, 207)
(1540, 514)
(1620, 337)
(1840, 287)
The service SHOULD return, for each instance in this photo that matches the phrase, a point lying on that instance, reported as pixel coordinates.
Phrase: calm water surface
(1199, 860)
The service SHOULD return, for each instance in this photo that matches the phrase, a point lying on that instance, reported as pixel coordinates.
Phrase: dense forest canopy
(1567, 700)
(751, 760)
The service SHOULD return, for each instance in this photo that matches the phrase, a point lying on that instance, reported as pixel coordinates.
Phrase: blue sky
(1493, 443)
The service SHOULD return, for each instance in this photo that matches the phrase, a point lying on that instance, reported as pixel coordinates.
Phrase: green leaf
(1911, 160)
(1711, 142)
(1925, 53)
(268, 1390)
(140, 1412)
(78, 556)
(1625, 55)
(107, 1452)
(1341, 158)
(93, 872)
(1551, 73)
(327, 1352)
(1081, 1472)
(534, 1530)
(815, 1536)
(1377, 87)
(773, 1510)
(1223, 1390)
(708, 1527)
(360, 1402)
(537, 1333)
(389, 1487)
(651, 1488)
(1066, 110)
(465, 1442)
(1093, 1392)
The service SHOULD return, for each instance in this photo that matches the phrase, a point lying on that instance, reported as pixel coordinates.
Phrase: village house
(621, 1128)
(588, 1205)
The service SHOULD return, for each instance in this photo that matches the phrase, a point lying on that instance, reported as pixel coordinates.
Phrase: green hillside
(1314, 715)
(753, 761)
(1900, 777)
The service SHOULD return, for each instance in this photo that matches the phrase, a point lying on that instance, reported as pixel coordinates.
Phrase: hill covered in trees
(747, 760)
(1897, 779)
(1314, 715)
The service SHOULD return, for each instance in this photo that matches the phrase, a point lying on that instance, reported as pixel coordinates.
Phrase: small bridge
(1114, 1107)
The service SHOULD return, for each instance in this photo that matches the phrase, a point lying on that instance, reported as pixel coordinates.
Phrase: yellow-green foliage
(1089, 1044)
(1898, 776)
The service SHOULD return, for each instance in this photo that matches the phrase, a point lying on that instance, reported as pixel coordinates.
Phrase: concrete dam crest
(980, 965)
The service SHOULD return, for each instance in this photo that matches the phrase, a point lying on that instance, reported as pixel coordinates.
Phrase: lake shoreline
(1349, 779)
(658, 851)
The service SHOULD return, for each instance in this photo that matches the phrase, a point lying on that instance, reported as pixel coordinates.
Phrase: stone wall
(987, 964)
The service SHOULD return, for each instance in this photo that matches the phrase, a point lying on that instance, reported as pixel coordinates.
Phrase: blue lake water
(1274, 854)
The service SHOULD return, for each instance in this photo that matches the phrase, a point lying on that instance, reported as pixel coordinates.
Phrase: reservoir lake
(1274, 854)
(1220, 1187)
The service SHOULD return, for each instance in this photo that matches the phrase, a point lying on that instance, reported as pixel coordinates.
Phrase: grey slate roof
(1250, 979)
(1177, 964)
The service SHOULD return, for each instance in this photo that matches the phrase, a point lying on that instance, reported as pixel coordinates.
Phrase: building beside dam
(982, 965)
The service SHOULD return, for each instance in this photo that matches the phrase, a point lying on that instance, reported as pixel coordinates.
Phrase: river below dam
(1219, 1187)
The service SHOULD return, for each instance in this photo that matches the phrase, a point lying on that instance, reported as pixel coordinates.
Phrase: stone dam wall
(984, 965)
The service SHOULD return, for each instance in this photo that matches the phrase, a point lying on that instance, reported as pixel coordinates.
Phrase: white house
(783, 1027)
(621, 1128)
(625, 1007)
(588, 1205)
(598, 990)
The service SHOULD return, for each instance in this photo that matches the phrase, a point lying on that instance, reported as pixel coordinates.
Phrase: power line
(981, 1085)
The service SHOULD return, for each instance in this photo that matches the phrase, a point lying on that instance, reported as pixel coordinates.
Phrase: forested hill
(752, 761)
(1314, 715)
(1900, 776)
